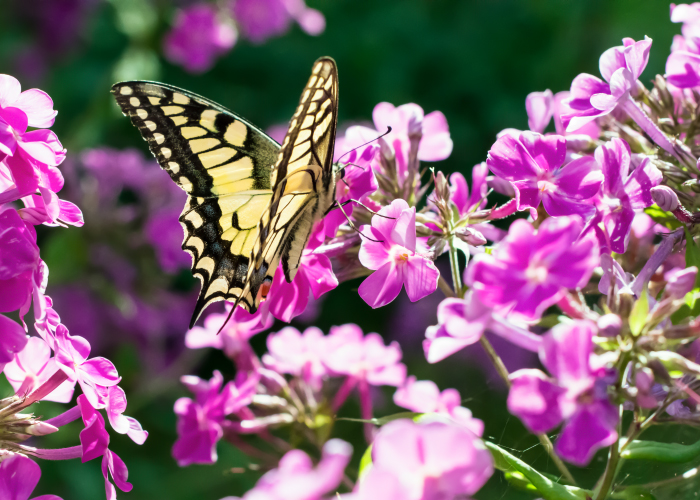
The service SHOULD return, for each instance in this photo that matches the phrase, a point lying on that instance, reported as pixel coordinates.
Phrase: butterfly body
(252, 203)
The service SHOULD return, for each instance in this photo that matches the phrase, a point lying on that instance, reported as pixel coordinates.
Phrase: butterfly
(252, 202)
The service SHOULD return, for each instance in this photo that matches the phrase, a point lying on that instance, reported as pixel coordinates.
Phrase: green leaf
(692, 255)
(638, 316)
(664, 218)
(546, 487)
(690, 308)
(384, 420)
(633, 493)
(674, 453)
(365, 462)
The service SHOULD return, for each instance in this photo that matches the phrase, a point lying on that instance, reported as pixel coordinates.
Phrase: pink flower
(19, 476)
(540, 109)
(461, 322)
(424, 397)
(301, 355)
(620, 66)
(358, 181)
(530, 270)
(406, 121)
(577, 395)
(296, 478)
(198, 38)
(233, 339)
(394, 258)
(50, 210)
(314, 278)
(425, 462)
(94, 375)
(534, 164)
(623, 192)
(19, 261)
(365, 361)
(116, 405)
(164, 232)
(199, 423)
(33, 366)
(263, 19)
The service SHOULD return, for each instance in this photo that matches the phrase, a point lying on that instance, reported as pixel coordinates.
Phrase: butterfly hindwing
(223, 162)
(303, 182)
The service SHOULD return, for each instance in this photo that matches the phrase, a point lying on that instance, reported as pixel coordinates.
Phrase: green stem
(501, 367)
(610, 471)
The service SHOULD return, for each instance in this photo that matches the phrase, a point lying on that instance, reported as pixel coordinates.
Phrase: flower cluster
(203, 32)
(580, 278)
(45, 367)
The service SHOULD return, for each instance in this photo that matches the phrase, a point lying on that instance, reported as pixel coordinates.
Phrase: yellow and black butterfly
(252, 203)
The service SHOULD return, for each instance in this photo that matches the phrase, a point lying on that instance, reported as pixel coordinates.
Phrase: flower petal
(382, 286)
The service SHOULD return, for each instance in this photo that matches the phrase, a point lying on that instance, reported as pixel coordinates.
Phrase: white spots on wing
(236, 134)
(190, 132)
(195, 219)
(172, 110)
(174, 167)
(141, 113)
(150, 125)
(180, 99)
(134, 101)
(154, 100)
(185, 184)
(159, 138)
(219, 285)
(126, 91)
(206, 263)
(166, 152)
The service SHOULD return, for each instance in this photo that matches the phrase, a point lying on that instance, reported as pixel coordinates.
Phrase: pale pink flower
(19, 476)
(389, 248)
(298, 354)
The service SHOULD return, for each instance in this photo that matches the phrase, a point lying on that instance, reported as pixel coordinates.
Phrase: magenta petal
(420, 277)
(39, 151)
(101, 371)
(639, 183)
(683, 69)
(618, 224)
(527, 194)
(38, 106)
(94, 437)
(637, 56)
(438, 345)
(509, 160)
(12, 339)
(610, 61)
(10, 89)
(319, 273)
(116, 466)
(614, 160)
(557, 205)
(69, 213)
(436, 144)
(385, 225)
(566, 350)
(539, 106)
(404, 231)
(535, 400)
(580, 178)
(382, 286)
(16, 118)
(19, 476)
(589, 429)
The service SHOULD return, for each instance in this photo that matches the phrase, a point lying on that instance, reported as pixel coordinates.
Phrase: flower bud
(680, 281)
(665, 198)
(609, 325)
(471, 236)
(644, 381)
(442, 187)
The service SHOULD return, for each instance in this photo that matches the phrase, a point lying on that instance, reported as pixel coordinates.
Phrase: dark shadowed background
(473, 60)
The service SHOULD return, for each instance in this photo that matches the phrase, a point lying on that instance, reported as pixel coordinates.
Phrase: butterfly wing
(302, 180)
(224, 164)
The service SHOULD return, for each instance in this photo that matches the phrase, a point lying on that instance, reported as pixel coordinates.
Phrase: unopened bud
(665, 198)
(644, 380)
(609, 325)
(442, 187)
(39, 428)
(680, 281)
(471, 236)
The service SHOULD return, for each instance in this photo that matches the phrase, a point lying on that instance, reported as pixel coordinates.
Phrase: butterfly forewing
(302, 182)
(223, 162)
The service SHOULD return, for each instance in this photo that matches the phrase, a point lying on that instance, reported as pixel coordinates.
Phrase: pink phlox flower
(424, 396)
(357, 182)
(394, 257)
(683, 64)
(296, 478)
(199, 420)
(13, 340)
(112, 464)
(94, 438)
(19, 476)
(622, 192)
(93, 375)
(530, 270)
(534, 164)
(431, 461)
(48, 209)
(19, 260)
(405, 121)
(116, 405)
(199, 36)
(233, 339)
(680, 281)
(592, 97)
(364, 357)
(576, 395)
(540, 109)
(612, 268)
(33, 366)
(298, 354)
(461, 322)
(314, 278)
(260, 20)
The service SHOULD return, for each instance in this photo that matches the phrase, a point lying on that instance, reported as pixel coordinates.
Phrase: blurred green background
(473, 60)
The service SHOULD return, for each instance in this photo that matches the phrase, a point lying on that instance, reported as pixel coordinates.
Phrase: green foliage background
(475, 60)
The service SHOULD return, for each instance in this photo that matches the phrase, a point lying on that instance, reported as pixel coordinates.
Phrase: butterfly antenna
(388, 131)
(228, 317)
(352, 224)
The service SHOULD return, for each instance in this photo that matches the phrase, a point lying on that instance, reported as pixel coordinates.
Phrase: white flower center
(537, 273)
